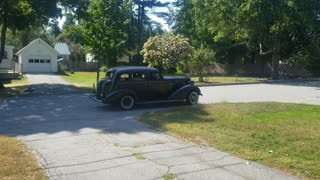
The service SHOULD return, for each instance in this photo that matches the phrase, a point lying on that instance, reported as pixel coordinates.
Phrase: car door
(139, 82)
(158, 87)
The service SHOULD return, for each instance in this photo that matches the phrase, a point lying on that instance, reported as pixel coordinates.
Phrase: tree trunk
(275, 61)
(200, 76)
(3, 36)
(3, 32)
(98, 73)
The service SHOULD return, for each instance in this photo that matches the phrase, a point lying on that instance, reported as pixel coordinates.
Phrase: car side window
(124, 77)
(155, 76)
(136, 76)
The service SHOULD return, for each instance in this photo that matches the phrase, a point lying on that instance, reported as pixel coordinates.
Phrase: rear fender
(183, 91)
(116, 95)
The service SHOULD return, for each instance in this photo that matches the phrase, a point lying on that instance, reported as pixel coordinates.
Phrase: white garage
(38, 57)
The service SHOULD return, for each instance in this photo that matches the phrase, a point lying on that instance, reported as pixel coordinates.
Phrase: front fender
(182, 92)
(99, 88)
(116, 95)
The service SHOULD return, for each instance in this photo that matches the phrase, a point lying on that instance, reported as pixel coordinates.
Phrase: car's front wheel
(192, 98)
(127, 102)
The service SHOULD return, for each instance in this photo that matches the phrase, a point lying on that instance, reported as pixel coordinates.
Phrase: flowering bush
(166, 51)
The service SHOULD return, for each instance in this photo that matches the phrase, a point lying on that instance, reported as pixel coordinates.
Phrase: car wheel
(193, 98)
(127, 102)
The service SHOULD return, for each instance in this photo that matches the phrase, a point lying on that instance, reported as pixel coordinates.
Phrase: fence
(258, 70)
(13, 71)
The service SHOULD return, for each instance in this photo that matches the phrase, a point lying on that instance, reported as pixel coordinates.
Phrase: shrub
(62, 69)
(104, 68)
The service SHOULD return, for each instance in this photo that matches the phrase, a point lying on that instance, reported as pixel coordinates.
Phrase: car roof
(133, 68)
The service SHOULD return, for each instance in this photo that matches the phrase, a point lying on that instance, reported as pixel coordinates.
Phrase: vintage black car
(130, 85)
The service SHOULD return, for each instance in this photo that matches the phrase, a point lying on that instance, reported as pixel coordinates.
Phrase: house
(8, 56)
(63, 50)
(38, 56)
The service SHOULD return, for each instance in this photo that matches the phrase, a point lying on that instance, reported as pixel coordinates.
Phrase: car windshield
(109, 75)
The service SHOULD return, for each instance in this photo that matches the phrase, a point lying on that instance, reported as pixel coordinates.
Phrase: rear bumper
(93, 97)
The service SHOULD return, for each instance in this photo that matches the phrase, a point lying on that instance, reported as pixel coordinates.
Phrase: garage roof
(38, 40)
(62, 48)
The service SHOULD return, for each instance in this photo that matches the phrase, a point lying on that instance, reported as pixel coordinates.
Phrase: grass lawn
(14, 87)
(208, 80)
(283, 136)
(82, 79)
(17, 162)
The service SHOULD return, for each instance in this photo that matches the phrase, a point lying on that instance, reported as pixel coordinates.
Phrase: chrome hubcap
(127, 102)
(194, 97)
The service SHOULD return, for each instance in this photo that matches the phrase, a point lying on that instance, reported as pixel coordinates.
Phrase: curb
(261, 82)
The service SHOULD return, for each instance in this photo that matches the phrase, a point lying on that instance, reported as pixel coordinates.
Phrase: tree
(276, 29)
(54, 28)
(166, 51)
(141, 14)
(105, 29)
(201, 58)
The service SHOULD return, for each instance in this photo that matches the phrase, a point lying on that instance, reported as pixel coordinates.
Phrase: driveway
(291, 92)
(76, 138)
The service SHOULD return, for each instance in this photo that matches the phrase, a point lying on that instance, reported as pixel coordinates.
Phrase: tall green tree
(105, 29)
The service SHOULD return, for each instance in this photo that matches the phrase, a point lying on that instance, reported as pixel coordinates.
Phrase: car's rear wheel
(127, 102)
(192, 98)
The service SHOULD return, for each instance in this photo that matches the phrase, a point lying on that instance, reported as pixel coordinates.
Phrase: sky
(152, 16)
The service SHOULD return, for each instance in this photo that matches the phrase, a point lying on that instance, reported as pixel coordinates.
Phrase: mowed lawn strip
(14, 87)
(283, 136)
(17, 162)
(208, 80)
(82, 79)
(86, 79)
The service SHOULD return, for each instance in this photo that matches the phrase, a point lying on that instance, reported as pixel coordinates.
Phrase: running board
(163, 101)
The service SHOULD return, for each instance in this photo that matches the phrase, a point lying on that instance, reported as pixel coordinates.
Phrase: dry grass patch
(14, 87)
(17, 162)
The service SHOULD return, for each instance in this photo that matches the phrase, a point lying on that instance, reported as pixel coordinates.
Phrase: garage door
(38, 64)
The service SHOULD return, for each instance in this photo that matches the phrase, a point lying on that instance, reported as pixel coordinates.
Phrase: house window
(36, 61)
(48, 61)
(41, 60)
(30, 60)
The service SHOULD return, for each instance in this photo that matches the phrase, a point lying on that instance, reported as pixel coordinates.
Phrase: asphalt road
(76, 138)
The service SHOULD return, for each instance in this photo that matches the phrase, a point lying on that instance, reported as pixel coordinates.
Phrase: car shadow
(53, 108)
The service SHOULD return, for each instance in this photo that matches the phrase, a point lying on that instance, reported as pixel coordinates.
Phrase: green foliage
(54, 28)
(105, 29)
(252, 31)
(169, 176)
(166, 51)
(201, 58)
(104, 68)
(62, 69)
